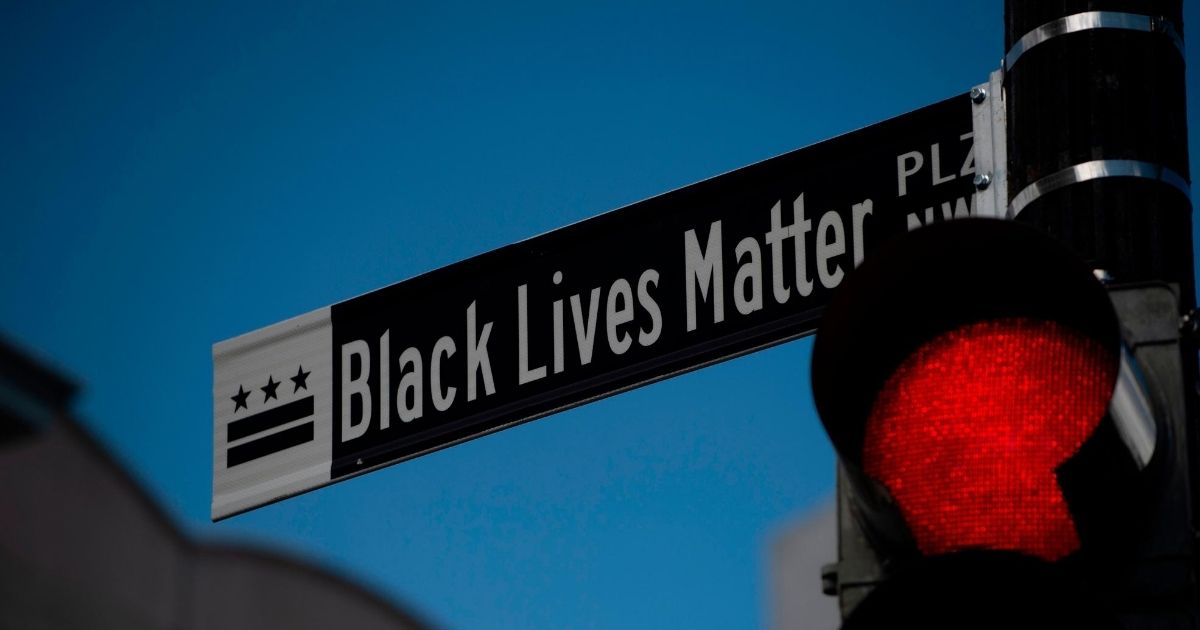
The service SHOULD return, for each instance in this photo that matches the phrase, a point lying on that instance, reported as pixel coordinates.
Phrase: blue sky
(172, 175)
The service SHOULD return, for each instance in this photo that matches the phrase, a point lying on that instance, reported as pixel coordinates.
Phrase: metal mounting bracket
(1089, 21)
(991, 149)
(1097, 169)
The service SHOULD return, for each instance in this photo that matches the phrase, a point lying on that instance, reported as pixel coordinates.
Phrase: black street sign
(701, 274)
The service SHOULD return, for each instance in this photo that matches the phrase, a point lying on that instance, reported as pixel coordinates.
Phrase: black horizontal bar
(270, 444)
(270, 418)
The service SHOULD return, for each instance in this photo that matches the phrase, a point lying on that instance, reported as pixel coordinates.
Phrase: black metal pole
(1097, 157)
(1101, 101)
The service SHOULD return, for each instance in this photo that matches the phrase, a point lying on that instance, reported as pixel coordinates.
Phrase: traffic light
(1011, 437)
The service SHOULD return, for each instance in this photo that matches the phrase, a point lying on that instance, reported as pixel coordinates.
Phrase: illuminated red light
(968, 431)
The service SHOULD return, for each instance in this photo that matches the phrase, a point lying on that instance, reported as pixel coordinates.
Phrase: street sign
(701, 274)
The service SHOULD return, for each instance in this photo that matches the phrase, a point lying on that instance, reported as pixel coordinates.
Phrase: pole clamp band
(1089, 21)
(1097, 169)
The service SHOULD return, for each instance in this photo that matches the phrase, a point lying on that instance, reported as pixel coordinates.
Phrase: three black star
(240, 399)
(300, 379)
(269, 390)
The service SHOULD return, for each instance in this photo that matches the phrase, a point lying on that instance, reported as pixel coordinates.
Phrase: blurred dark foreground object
(83, 546)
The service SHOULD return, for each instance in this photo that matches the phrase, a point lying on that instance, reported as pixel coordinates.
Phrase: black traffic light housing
(1125, 486)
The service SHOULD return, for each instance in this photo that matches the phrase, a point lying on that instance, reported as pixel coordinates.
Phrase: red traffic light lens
(967, 433)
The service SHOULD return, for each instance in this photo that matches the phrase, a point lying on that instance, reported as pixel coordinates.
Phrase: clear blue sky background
(174, 174)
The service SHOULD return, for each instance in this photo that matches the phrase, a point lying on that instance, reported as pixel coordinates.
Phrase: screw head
(829, 579)
(982, 180)
(1189, 327)
(978, 95)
